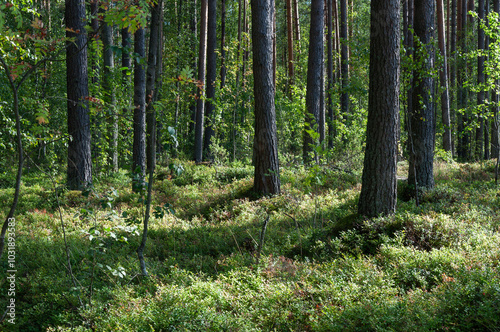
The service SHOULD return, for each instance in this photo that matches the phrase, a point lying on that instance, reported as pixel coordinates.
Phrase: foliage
(323, 267)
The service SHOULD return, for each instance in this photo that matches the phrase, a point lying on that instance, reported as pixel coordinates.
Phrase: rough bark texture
(378, 192)
(211, 75)
(139, 147)
(330, 74)
(495, 150)
(109, 95)
(154, 44)
(266, 176)
(443, 77)
(463, 135)
(422, 118)
(479, 151)
(223, 45)
(200, 105)
(314, 77)
(79, 173)
(344, 60)
(289, 29)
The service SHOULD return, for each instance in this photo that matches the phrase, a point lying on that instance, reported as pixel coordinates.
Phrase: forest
(249, 165)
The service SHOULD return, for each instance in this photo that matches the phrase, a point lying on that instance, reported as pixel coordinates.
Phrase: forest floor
(429, 267)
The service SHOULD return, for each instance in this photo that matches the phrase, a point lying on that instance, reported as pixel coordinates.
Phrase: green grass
(429, 267)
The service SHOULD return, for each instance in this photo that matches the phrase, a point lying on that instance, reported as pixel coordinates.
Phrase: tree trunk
(154, 44)
(223, 46)
(378, 191)
(463, 139)
(495, 142)
(79, 173)
(344, 61)
(330, 75)
(314, 76)
(200, 105)
(443, 77)
(422, 118)
(480, 81)
(139, 147)
(211, 76)
(109, 95)
(453, 68)
(266, 177)
(289, 24)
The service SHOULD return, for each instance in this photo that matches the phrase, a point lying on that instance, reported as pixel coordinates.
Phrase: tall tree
(479, 151)
(223, 45)
(139, 145)
(109, 94)
(422, 119)
(266, 176)
(495, 142)
(463, 135)
(344, 60)
(79, 173)
(211, 75)
(153, 60)
(200, 105)
(314, 77)
(289, 29)
(443, 77)
(378, 191)
(330, 73)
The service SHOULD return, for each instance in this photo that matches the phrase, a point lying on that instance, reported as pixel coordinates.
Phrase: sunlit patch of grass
(323, 268)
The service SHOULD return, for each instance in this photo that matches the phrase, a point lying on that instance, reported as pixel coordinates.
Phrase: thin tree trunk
(480, 81)
(223, 46)
(154, 44)
(211, 76)
(330, 76)
(314, 76)
(344, 60)
(443, 76)
(109, 95)
(139, 145)
(200, 105)
(289, 24)
(495, 142)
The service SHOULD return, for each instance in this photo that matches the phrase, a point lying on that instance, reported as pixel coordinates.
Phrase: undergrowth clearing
(322, 268)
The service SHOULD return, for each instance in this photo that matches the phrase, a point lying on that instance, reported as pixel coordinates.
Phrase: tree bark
(314, 76)
(443, 77)
(154, 44)
(289, 25)
(495, 142)
(330, 74)
(79, 173)
(266, 176)
(223, 46)
(422, 118)
(200, 105)
(479, 151)
(139, 146)
(110, 96)
(378, 191)
(344, 61)
(211, 76)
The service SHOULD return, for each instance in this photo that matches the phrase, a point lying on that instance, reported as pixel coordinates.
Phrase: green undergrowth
(429, 267)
